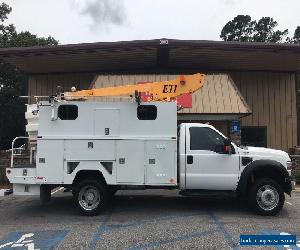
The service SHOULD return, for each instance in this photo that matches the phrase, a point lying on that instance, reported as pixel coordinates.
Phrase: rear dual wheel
(91, 197)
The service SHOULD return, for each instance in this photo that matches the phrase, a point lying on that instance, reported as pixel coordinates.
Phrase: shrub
(297, 176)
(3, 179)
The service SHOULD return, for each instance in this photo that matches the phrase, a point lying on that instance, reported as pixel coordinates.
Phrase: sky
(79, 21)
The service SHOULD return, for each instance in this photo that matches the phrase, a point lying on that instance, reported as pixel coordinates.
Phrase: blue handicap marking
(39, 240)
(283, 247)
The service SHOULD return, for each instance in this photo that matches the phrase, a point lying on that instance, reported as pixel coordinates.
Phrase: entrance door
(206, 169)
(254, 136)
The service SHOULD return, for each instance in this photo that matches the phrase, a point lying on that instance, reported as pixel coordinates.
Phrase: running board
(204, 193)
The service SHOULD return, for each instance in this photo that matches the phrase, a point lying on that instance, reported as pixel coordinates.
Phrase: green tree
(12, 81)
(243, 29)
(296, 38)
(264, 31)
(239, 29)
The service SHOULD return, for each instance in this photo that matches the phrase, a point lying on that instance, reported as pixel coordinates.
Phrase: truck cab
(203, 163)
(209, 161)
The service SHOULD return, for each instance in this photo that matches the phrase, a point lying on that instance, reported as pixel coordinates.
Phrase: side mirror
(219, 149)
(225, 148)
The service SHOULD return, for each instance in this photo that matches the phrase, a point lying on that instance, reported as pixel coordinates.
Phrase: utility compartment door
(106, 122)
(50, 158)
(130, 161)
(161, 162)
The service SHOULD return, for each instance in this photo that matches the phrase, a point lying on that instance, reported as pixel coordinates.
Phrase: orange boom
(155, 91)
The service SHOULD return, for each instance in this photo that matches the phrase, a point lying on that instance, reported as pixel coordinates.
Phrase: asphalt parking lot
(154, 219)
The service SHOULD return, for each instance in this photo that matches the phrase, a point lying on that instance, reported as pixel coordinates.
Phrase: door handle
(189, 159)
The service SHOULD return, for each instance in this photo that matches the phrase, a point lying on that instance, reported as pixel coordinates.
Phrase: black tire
(266, 197)
(97, 192)
(112, 191)
(45, 194)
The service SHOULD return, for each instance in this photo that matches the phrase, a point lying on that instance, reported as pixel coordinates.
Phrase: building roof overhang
(155, 56)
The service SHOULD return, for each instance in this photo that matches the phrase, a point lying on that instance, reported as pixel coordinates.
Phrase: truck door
(206, 169)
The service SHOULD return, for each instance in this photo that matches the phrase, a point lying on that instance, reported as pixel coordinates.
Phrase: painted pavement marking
(105, 227)
(221, 228)
(283, 247)
(57, 190)
(41, 240)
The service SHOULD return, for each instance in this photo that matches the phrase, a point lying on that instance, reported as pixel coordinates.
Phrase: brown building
(255, 83)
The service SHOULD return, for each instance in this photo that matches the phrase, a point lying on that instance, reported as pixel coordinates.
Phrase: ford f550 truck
(96, 148)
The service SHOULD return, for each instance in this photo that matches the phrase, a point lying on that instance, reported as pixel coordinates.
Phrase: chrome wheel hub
(89, 198)
(267, 197)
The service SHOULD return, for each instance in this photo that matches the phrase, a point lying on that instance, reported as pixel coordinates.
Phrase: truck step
(204, 193)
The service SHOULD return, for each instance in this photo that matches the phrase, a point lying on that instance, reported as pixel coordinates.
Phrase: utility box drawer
(90, 150)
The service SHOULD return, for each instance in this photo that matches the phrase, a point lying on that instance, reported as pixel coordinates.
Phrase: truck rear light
(172, 180)
(8, 171)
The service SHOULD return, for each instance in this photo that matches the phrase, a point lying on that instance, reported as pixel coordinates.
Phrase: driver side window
(204, 139)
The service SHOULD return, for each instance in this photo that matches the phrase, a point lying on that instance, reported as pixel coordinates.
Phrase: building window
(146, 112)
(204, 139)
(67, 112)
(254, 136)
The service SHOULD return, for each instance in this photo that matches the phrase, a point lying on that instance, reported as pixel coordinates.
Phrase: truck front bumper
(293, 185)
(290, 185)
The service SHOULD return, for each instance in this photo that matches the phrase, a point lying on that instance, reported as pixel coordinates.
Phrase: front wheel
(266, 197)
(91, 197)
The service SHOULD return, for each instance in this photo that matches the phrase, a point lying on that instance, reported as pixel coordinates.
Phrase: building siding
(218, 94)
(271, 97)
(45, 85)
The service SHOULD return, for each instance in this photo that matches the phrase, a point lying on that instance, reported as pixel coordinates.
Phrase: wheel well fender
(264, 168)
(88, 174)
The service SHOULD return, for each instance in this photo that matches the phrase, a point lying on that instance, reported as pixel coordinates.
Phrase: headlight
(289, 165)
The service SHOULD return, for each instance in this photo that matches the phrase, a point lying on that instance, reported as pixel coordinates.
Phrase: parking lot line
(57, 190)
(100, 230)
(289, 203)
(222, 229)
(105, 227)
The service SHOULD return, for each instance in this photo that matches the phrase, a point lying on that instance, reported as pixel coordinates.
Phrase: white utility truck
(96, 148)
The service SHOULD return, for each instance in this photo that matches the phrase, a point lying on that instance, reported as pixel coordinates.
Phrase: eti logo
(169, 88)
